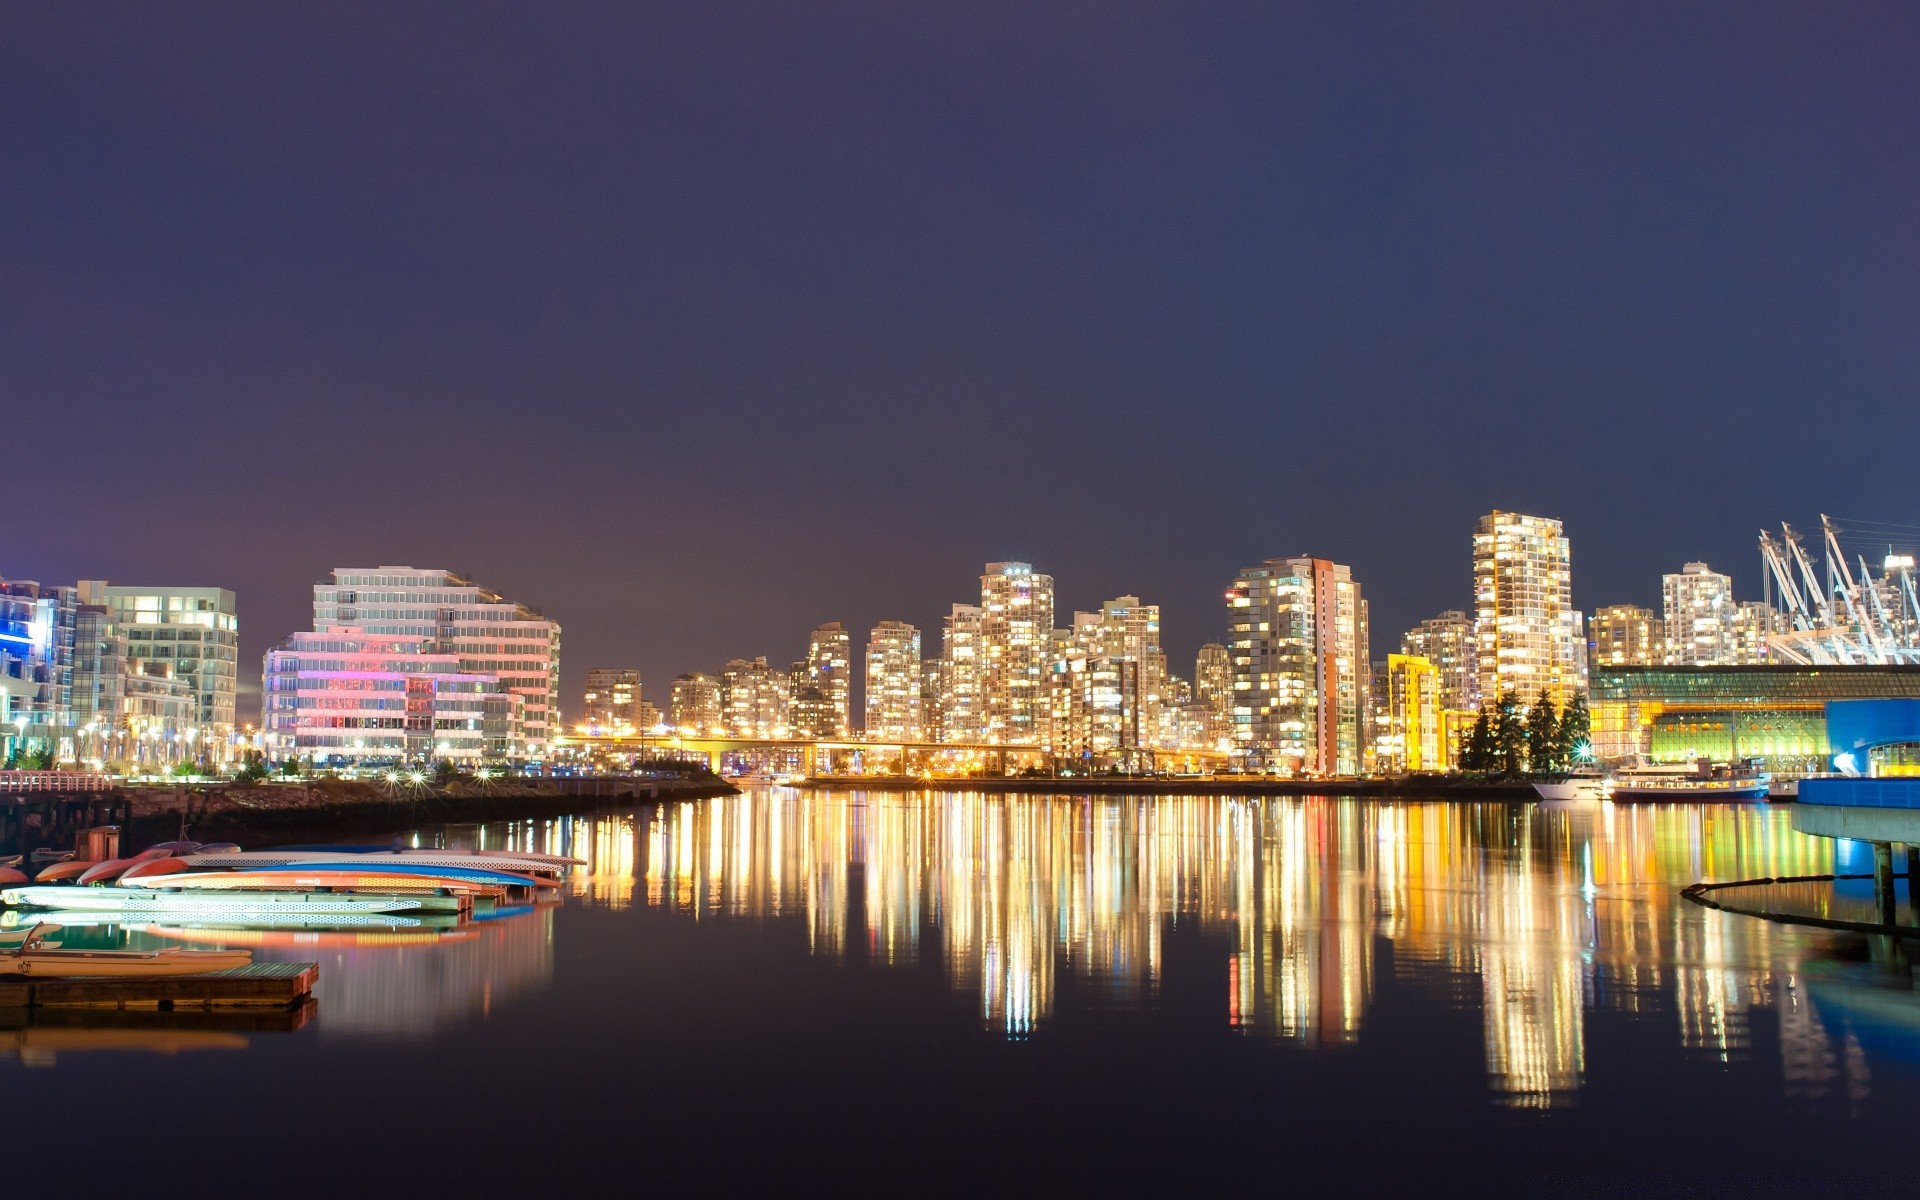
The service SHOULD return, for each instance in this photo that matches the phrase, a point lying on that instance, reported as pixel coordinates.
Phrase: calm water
(960, 993)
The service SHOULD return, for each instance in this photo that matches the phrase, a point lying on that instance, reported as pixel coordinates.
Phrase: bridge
(826, 756)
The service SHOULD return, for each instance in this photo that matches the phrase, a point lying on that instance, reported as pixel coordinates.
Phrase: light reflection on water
(1535, 915)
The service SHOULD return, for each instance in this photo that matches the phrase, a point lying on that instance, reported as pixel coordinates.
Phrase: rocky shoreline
(329, 809)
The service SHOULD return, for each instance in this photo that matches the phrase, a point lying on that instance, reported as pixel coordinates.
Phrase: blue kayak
(404, 867)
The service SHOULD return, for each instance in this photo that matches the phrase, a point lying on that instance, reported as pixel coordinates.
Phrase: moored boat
(509, 861)
(1585, 785)
(147, 901)
(1702, 780)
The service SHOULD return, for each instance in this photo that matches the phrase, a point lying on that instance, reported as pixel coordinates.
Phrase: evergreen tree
(1543, 735)
(1575, 735)
(1477, 753)
(1509, 735)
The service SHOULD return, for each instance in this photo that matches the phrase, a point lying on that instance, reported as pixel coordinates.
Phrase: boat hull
(143, 901)
(1625, 793)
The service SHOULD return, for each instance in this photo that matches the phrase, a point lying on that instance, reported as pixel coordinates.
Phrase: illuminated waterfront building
(446, 614)
(754, 698)
(694, 705)
(349, 698)
(1410, 733)
(961, 678)
(196, 632)
(1626, 635)
(822, 685)
(611, 700)
(1298, 639)
(1774, 713)
(36, 659)
(893, 709)
(1699, 617)
(1016, 633)
(1528, 634)
(1447, 641)
(1107, 683)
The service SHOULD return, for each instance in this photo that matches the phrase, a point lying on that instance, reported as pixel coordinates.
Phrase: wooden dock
(269, 985)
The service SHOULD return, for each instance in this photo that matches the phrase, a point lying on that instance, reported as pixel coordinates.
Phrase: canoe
(95, 964)
(110, 870)
(144, 902)
(451, 873)
(556, 860)
(308, 879)
(153, 866)
(240, 926)
(253, 859)
(63, 870)
(9, 875)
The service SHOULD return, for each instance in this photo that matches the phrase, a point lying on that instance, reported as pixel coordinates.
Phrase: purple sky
(699, 324)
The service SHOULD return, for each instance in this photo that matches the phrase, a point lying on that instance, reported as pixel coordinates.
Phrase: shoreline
(1424, 788)
(220, 817)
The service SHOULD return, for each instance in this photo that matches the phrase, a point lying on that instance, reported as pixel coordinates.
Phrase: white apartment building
(893, 683)
(1529, 636)
(1016, 636)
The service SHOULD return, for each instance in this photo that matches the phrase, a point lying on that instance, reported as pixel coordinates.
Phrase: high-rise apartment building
(610, 701)
(823, 685)
(893, 700)
(36, 659)
(1699, 616)
(961, 678)
(1754, 623)
(1298, 638)
(1016, 635)
(1411, 733)
(755, 699)
(1213, 678)
(694, 705)
(1529, 635)
(447, 614)
(196, 632)
(1448, 642)
(1626, 635)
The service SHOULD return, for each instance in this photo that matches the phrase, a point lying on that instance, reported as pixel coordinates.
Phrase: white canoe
(206, 904)
(76, 964)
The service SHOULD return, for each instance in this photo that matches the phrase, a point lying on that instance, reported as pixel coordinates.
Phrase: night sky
(698, 324)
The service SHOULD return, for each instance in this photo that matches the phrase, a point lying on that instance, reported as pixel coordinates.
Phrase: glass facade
(1774, 713)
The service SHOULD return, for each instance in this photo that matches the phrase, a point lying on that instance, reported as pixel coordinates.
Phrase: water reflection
(1539, 916)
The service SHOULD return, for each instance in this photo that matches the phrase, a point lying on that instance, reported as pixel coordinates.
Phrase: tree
(252, 768)
(1477, 753)
(444, 772)
(1543, 735)
(1575, 735)
(1509, 735)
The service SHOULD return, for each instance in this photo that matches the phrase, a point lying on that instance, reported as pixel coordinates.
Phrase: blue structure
(1855, 728)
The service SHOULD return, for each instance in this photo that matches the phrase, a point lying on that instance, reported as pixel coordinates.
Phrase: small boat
(308, 879)
(233, 905)
(112, 868)
(1701, 780)
(10, 876)
(135, 964)
(448, 873)
(1582, 785)
(514, 861)
(37, 933)
(66, 869)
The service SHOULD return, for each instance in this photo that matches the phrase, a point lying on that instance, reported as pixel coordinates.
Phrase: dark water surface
(931, 994)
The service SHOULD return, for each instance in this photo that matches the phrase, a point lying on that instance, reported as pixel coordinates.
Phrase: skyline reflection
(1538, 916)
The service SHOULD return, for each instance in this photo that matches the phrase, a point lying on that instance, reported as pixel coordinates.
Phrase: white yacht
(1581, 785)
(1702, 780)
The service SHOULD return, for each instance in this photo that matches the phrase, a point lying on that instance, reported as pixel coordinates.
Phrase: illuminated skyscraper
(1755, 621)
(822, 685)
(1410, 734)
(1108, 679)
(1016, 632)
(1528, 632)
(444, 613)
(1447, 641)
(961, 677)
(1213, 678)
(1700, 615)
(611, 700)
(1626, 635)
(695, 703)
(1298, 638)
(755, 698)
(893, 711)
(196, 632)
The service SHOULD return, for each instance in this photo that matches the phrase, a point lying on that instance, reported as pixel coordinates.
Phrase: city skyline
(756, 301)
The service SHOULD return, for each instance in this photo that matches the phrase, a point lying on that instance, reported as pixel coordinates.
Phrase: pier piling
(1883, 881)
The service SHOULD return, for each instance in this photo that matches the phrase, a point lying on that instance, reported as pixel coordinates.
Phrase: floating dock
(269, 985)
